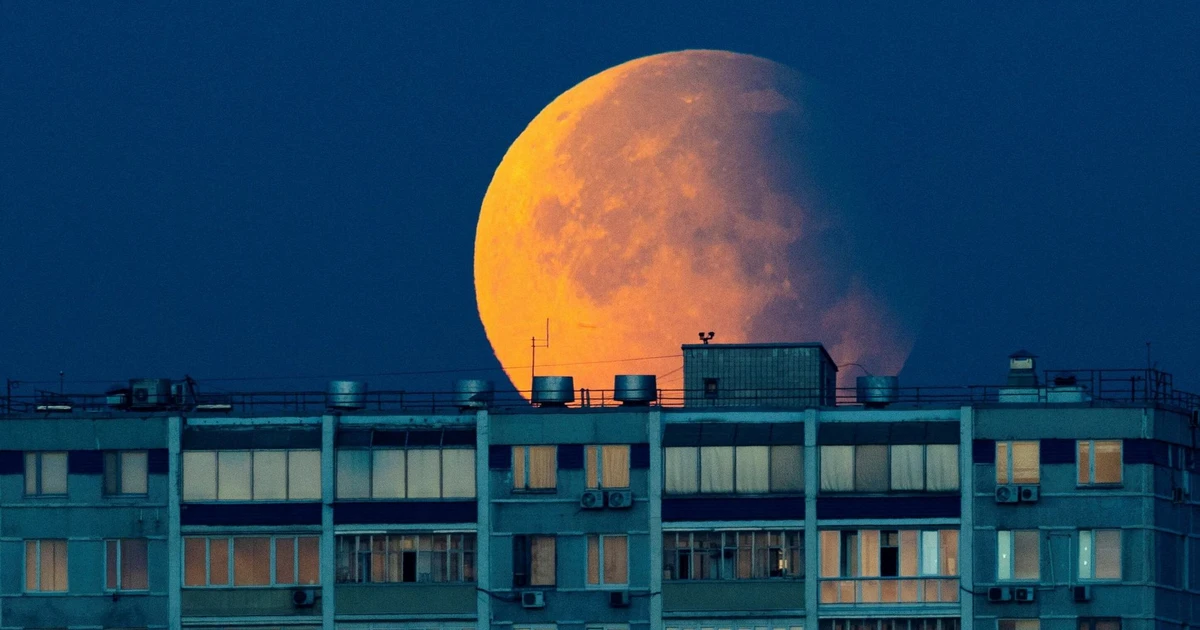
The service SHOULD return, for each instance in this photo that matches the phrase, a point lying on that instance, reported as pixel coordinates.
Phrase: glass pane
(680, 463)
(1026, 462)
(541, 561)
(593, 559)
(458, 473)
(1084, 462)
(251, 561)
(716, 469)
(133, 472)
(870, 553)
(218, 561)
(270, 475)
(304, 475)
(54, 473)
(543, 467)
(831, 553)
(233, 475)
(591, 460)
(752, 468)
(518, 464)
(353, 474)
(908, 552)
(309, 566)
(31, 568)
(1108, 554)
(1085, 554)
(616, 560)
(134, 565)
(787, 468)
(1027, 555)
(941, 467)
(112, 471)
(837, 468)
(1004, 555)
(1002, 463)
(285, 560)
(111, 563)
(424, 474)
(195, 561)
(615, 462)
(199, 475)
(870, 468)
(1108, 461)
(948, 552)
(929, 553)
(908, 467)
(54, 565)
(387, 480)
(31, 473)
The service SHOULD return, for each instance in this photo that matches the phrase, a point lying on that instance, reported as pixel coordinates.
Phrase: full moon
(670, 195)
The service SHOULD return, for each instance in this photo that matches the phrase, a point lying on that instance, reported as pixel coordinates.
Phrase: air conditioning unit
(618, 599)
(1007, 494)
(304, 597)
(1082, 593)
(1024, 594)
(149, 393)
(533, 599)
(619, 499)
(591, 500)
(999, 594)
(1028, 494)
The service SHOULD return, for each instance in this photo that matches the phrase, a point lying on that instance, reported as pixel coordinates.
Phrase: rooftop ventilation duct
(635, 390)
(553, 391)
(877, 391)
(346, 395)
(472, 393)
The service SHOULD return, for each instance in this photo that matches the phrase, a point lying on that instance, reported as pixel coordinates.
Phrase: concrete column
(483, 527)
(329, 424)
(654, 489)
(812, 538)
(174, 536)
(966, 530)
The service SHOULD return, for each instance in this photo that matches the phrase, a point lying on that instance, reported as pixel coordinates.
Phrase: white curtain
(353, 474)
(753, 468)
(387, 473)
(304, 474)
(199, 475)
(458, 473)
(716, 469)
(541, 561)
(270, 475)
(233, 475)
(787, 468)
(424, 473)
(680, 464)
(942, 462)
(908, 467)
(837, 468)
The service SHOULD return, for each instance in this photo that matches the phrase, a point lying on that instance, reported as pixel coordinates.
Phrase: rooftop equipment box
(758, 375)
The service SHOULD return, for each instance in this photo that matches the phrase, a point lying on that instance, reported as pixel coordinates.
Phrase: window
(267, 475)
(125, 565)
(734, 469)
(1099, 462)
(1018, 462)
(45, 566)
(1018, 624)
(1094, 623)
(889, 566)
(1018, 555)
(1100, 554)
(535, 467)
(607, 466)
(895, 468)
(533, 561)
(733, 555)
(892, 623)
(125, 472)
(757, 623)
(251, 560)
(607, 560)
(394, 558)
(414, 473)
(45, 473)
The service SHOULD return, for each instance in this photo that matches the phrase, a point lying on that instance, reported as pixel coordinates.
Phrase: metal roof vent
(553, 391)
(473, 393)
(635, 390)
(877, 391)
(346, 395)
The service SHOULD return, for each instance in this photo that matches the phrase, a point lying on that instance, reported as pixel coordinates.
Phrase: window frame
(887, 467)
(406, 493)
(216, 481)
(526, 460)
(1010, 457)
(37, 577)
(231, 551)
(119, 566)
(1091, 457)
(39, 472)
(358, 573)
(526, 562)
(1012, 556)
(115, 460)
(1092, 547)
(593, 461)
(769, 466)
(602, 583)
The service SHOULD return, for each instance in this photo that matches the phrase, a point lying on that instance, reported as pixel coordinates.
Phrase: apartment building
(760, 498)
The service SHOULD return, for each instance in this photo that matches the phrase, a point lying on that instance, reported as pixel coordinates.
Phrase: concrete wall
(748, 595)
(413, 599)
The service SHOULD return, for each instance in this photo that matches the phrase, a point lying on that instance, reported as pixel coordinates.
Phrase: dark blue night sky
(251, 190)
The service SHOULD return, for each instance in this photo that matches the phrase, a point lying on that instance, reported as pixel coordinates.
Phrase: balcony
(889, 590)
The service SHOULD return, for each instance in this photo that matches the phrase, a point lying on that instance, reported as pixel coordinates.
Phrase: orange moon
(666, 196)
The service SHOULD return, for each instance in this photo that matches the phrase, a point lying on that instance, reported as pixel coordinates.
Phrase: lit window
(682, 465)
(413, 473)
(266, 475)
(247, 560)
(1018, 624)
(1100, 554)
(45, 566)
(125, 472)
(941, 467)
(607, 466)
(1018, 555)
(535, 467)
(1099, 623)
(888, 566)
(389, 558)
(837, 468)
(45, 473)
(883, 468)
(733, 555)
(1018, 462)
(733, 469)
(607, 560)
(534, 561)
(125, 565)
(1099, 462)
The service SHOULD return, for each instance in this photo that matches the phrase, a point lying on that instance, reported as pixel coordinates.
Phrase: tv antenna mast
(534, 344)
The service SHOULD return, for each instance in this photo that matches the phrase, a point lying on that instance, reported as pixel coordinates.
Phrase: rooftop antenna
(707, 337)
(534, 344)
